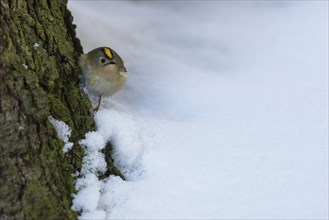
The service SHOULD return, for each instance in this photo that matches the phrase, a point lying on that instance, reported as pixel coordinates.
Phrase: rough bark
(39, 76)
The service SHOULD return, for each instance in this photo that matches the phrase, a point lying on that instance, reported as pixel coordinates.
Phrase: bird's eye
(103, 60)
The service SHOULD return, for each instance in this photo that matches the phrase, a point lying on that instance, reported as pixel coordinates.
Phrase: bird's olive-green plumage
(103, 72)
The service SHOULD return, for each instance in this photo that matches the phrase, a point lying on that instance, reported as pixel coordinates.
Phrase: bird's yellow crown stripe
(108, 53)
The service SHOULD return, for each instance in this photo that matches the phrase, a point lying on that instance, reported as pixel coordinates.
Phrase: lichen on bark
(39, 76)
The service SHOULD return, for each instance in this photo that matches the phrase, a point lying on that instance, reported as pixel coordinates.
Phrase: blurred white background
(225, 112)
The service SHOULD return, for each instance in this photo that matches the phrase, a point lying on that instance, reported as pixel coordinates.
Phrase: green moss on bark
(39, 76)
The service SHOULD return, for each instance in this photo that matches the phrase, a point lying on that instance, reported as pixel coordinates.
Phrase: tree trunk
(39, 77)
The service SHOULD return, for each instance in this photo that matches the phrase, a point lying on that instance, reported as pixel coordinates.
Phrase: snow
(120, 129)
(35, 45)
(89, 188)
(25, 66)
(224, 114)
(63, 132)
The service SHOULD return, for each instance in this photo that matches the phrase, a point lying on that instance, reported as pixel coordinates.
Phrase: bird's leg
(99, 103)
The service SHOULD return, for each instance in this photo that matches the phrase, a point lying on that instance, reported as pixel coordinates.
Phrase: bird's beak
(123, 74)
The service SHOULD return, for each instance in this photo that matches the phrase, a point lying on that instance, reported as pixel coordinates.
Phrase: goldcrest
(103, 72)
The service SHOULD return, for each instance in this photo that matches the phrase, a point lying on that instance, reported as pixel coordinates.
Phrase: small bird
(103, 72)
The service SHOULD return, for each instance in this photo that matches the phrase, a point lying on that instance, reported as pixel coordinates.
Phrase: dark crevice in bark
(111, 169)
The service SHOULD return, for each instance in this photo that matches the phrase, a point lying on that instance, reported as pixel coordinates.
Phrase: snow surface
(224, 115)
(63, 132)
